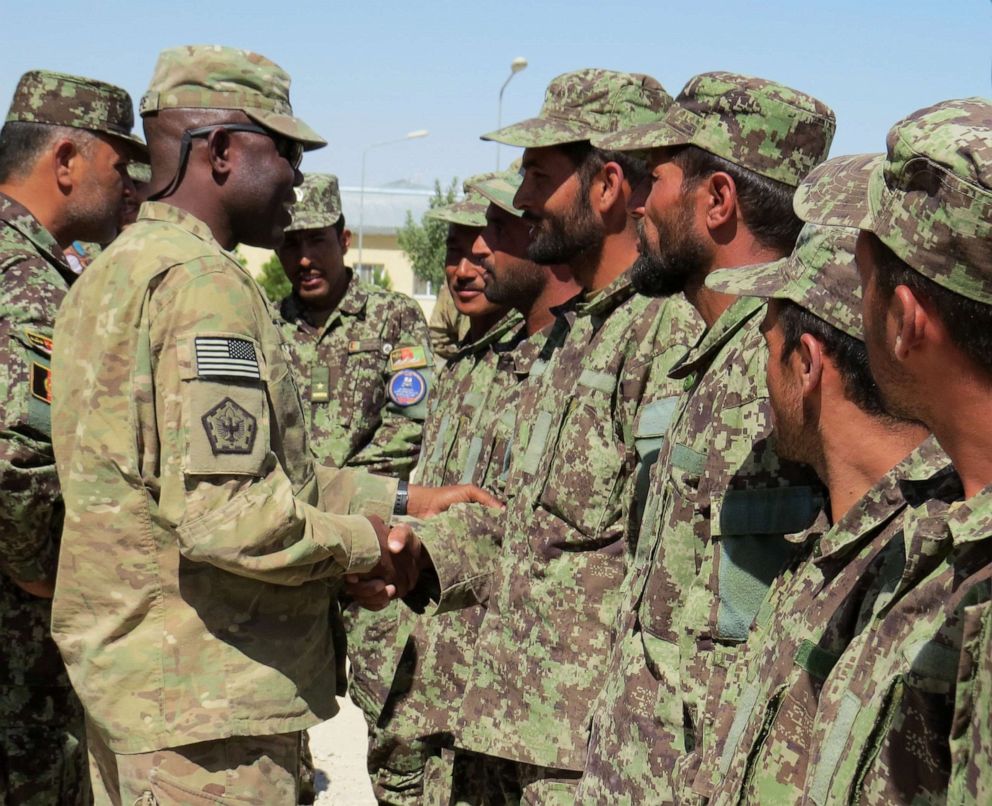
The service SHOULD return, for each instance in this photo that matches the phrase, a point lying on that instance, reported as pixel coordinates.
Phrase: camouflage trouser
(461, 778)
(43, 765)
(259, 770)
(632, 743)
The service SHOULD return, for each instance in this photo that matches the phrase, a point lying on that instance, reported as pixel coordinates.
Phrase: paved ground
(338, 748)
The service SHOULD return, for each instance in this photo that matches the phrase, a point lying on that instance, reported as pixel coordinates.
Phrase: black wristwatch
(402, 498)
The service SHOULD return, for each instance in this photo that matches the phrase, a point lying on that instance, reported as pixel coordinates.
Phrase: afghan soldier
(472, 422)
(64, 152)
(828, 413)
(361, 353)
(892, 723)
(447, 326)
(192, 605)
(550, 567)
(724, 163)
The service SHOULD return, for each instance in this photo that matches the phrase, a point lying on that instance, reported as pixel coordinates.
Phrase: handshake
(401, 556)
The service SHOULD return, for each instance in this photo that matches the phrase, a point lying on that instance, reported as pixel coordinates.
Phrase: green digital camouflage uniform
(345, 367)
(396, 756)
(192, 602)
(42, 748)
(722, 507)
(886, 729)
(447, 327)
(814, 609)
(971, 732)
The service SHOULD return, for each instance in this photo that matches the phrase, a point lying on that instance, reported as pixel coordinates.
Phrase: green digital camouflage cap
(139, 172)
(766, 127)
(929, 198)
(59, 99)
(469, 211)
(318, 203)
(585, 103)
(820, 276)
(217, 77)
(499, 187)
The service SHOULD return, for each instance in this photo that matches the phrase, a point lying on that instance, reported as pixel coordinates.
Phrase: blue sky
(371, 71)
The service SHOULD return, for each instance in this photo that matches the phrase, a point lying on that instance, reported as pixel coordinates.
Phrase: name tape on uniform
(219, 356)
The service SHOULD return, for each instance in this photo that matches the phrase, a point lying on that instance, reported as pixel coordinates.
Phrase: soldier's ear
(66, 163)
(810, 355)
(345, 240)
(220, 146)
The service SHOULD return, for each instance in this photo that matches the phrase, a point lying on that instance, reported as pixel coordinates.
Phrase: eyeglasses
(290, 150)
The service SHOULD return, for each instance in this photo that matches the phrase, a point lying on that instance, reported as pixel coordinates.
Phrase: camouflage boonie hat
(60, 99)
(766, 127)
(318, 203)
(820, 276)
(579, 105)
(217, 77)
(499, 187)
(929, 198)
(469, 211)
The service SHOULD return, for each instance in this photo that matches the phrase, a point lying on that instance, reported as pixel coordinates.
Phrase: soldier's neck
(742, 250)
(559, 288)
(597, 268)
(958, 407)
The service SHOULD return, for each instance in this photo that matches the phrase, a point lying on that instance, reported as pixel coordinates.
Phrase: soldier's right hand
(42, 588)
(395, 575)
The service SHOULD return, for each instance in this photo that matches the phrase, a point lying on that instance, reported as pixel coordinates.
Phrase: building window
(367, 272)
(423, 288)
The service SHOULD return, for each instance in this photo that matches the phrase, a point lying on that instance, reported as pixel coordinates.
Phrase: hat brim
(539, 133)
(287, 126)
(836, 192)
(765, 280)
(313, 221)
(465, 213)
(644, 137)
(136, 146)
(501, 196)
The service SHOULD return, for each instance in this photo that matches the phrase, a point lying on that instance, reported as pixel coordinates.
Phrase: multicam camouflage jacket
(345, 370)
(34, 278)
(469, 440)
(810, 617)
(191, 601)
(551, 568)
(714, 536)
(886, 724)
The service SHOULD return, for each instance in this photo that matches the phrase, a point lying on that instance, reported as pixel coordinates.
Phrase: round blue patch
(407, 388)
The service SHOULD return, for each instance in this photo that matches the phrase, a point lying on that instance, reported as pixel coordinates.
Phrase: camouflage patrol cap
(139, 172)
(499, 187)
(60, 99)
(318, 203)
(820, 275)
(929, 198)
(469, 211)
(579, 105)
(217, 77)
(766, 127)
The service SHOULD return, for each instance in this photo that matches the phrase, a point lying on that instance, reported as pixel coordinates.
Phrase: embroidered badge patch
(43, 344)
(41, 383)
(219, 356)
(407, 388)
(230, 428)
(407, 358)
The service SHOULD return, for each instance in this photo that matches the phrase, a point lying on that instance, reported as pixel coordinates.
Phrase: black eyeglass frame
(287, 148)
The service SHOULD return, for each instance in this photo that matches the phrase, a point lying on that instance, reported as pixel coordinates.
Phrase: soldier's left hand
(375, 590)
(425, 502)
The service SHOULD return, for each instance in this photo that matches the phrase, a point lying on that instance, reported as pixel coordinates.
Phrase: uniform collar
(971, 520)
(606, 299)
(497, 333)
(741, 311)
(18, 217)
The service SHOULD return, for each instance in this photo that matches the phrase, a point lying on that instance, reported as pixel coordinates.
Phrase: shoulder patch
(42, 343)
(407, 388)
(230, 428)
(41, 383)
(407, 358)
(226, 357)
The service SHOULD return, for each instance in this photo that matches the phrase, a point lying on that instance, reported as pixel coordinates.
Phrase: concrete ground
(339, 746)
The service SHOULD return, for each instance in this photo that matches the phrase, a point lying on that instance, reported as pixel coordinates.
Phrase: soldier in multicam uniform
(549, 568)
(825, 402)
(192, 605)
(893, 725)
(353, 345)
(82, 127)
(724, 164)
(468, 437)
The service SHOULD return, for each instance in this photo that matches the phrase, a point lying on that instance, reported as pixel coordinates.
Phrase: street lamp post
(516, 66)
(361, 191)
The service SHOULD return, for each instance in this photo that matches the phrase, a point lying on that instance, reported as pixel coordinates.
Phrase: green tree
(423, 243)
(381, 279)
(273, 279)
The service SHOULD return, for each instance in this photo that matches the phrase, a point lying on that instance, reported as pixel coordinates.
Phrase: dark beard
(668, 271)
(561, 239)
(518, 287)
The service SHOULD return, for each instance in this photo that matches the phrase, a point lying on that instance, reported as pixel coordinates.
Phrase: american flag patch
(223, 357)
